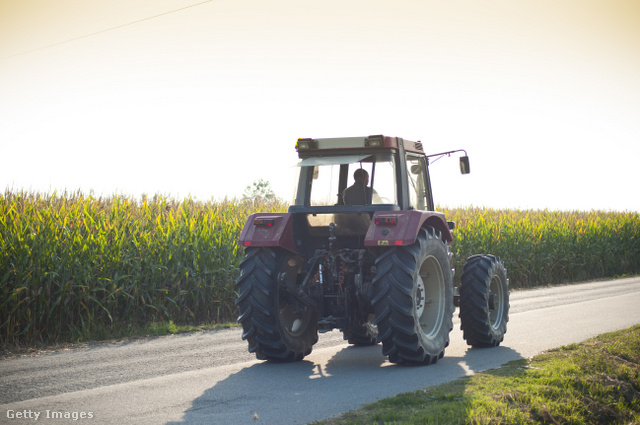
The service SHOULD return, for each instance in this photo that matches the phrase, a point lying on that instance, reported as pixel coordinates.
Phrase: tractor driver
(358, 193)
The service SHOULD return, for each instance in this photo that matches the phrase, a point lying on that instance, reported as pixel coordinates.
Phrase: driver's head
(361, 176)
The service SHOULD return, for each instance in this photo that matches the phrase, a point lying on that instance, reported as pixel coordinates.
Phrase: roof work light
(305, 144)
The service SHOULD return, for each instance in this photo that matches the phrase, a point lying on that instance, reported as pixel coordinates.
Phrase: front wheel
(276, 327)
(484, 301)
(361, 334)
(413, 300)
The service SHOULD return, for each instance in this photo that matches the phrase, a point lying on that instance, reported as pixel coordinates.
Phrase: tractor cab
(396, 170)
(333, 200)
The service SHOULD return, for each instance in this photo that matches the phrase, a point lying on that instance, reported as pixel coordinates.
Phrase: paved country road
(210, 378)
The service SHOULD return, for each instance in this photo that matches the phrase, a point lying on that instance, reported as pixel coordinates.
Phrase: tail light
(262, 221)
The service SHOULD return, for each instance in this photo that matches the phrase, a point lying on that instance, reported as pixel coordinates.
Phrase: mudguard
(397, 228)
(268, 230)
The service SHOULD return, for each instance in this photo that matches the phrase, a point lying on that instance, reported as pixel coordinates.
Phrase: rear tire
(359, 335)
(275, 326)
(413, 300)
(484, 301)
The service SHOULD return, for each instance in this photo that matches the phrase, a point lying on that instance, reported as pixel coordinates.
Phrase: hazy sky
(155, 96)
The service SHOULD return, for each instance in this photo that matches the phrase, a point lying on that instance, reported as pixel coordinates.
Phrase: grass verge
(109, 334)
(595, 382)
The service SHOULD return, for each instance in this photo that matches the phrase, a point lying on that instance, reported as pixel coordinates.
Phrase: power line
(106, 30)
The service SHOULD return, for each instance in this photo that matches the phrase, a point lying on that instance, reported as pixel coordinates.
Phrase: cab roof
(307, 147)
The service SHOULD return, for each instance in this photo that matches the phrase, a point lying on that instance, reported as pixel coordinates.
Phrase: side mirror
(464, 165)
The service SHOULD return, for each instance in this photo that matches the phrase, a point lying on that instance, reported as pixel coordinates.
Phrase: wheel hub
(420, 297)
(492, 301)
(496, 307)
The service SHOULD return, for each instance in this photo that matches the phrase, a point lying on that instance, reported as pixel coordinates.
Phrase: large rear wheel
(276, 326)
(413, 300)
(484, 301)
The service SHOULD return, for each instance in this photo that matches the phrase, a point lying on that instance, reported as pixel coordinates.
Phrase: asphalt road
(210, 378)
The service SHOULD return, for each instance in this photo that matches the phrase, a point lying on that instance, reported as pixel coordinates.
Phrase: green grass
(595, 382)
(109, 333)
(170, 328)
(74, 267)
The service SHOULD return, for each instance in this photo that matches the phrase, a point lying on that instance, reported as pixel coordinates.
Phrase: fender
(268, 230)
(399, 228)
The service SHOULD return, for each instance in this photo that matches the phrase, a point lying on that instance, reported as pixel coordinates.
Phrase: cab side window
(417, 171)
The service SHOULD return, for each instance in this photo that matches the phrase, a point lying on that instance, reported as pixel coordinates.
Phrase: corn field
(550, 247)
(71, 263)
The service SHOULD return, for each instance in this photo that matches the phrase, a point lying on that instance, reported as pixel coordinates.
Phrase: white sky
(543, 95)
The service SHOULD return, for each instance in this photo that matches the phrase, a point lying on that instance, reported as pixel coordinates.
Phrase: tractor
(362, 250)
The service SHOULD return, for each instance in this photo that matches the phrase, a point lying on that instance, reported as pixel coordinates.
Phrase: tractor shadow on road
(313, 389)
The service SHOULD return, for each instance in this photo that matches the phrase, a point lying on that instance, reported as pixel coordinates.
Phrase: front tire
(413, 300)
(360, 335)
(484, 301)
(276, 327)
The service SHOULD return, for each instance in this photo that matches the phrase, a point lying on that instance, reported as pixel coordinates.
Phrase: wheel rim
(293, 321)
(430, 296)
(293, 317)
(496, 292)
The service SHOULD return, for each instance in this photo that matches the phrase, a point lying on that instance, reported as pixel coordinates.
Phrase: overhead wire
(106, 30)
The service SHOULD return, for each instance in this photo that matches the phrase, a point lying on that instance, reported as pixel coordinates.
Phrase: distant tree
(259, 191)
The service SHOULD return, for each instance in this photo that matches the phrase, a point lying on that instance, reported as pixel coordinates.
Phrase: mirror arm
(440, 155)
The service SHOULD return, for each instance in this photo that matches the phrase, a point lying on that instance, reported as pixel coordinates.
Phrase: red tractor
(363, 251)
